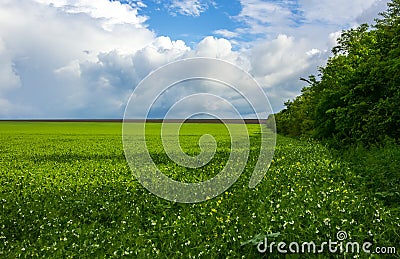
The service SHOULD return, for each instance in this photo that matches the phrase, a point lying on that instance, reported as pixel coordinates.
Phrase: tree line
(356, 96)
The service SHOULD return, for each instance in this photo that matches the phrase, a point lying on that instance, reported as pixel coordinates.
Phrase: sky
(70, 59)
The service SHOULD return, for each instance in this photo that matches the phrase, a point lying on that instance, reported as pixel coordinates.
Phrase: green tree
(357, 98)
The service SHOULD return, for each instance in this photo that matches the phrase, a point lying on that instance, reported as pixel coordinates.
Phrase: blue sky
(83, 58)
(171, 21)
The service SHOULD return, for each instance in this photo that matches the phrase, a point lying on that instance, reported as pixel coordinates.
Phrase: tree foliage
(357, 96)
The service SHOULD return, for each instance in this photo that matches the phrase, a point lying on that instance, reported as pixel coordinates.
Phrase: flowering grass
(66, 191)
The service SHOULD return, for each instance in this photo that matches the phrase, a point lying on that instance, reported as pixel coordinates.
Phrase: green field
(67, 191)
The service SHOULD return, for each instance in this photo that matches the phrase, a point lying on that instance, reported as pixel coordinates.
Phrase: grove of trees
(356, 97)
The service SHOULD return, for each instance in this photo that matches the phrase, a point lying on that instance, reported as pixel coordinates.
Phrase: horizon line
(246, 121)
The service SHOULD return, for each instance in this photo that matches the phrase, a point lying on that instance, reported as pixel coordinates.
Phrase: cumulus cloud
(220, 48)
(102, 86)
(75, 66)
(161, 51)
(277, 65)
(82, 58)
(111, 12)
(215, 48)
(45, 51)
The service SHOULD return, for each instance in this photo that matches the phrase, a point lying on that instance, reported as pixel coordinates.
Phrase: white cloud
(214, 47)
(294, 38)
(9, 110)
(276, 17)
(277, 65)
(103, 85)
(220, 48)
(78, 68)
(9, 78)
(333, 37)
(370, 13)
(171, 75)
(260, 15)
(313, 52)
(112, 13)
(189, 7)
(226, 33)
(345, 12)
(276, 60)
(45, 48)
(161, 51)
(82, 58)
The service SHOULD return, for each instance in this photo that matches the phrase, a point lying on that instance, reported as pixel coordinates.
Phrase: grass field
(66, 191)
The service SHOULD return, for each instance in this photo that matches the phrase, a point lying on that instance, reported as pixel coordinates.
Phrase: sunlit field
(67, 191)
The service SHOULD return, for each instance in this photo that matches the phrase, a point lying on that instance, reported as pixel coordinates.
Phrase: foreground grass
(66, 191)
